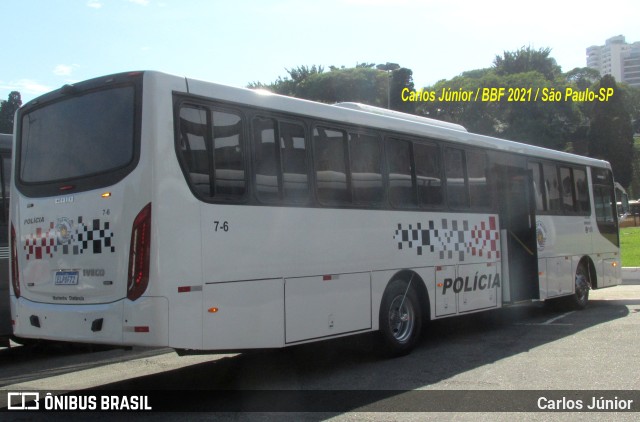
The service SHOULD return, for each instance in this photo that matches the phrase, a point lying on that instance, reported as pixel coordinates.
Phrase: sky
(51, 43)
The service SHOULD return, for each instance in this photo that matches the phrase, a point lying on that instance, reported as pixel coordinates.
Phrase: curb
(630, 275)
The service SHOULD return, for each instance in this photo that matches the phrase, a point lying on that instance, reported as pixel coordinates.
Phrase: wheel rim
(401, 319)
(582, 287)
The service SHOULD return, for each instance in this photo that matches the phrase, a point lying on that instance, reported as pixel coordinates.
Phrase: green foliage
(582, 77)
(362, 83)
(289, 85)
(611, 133)
(7, 111)
(548, 124)
(526, 60)
(401, 79)
(634, 189)
(631, 100)
(479, 117)
(598, 129)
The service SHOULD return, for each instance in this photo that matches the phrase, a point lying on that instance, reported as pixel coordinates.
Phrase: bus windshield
(79, 136)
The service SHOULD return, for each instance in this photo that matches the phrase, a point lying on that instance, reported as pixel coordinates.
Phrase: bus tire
(580, 298)
(400, 319)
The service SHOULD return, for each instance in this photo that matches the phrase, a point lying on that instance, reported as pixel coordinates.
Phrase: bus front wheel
(580, 298)
(400, 318)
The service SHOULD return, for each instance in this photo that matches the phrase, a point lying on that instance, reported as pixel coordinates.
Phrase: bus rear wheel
(400, 319)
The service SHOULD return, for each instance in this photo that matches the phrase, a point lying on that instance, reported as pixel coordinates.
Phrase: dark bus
(5, 181)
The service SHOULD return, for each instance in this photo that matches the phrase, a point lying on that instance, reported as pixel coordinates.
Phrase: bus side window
(366, 173)
(228, 155)
(454, 166)
(552, 187)
(399, 164)
(281, 167)
(193, 147)
(428, 174)
(293, 149)
(568, 200)
(604, 204)
(479, 193)
(330, 165)
(582, 190)
(266, 160)
(538, 184)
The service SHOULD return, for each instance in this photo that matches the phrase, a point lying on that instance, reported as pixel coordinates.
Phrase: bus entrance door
(517, 211)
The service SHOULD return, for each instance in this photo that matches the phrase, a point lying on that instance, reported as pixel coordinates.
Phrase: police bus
(156, 210)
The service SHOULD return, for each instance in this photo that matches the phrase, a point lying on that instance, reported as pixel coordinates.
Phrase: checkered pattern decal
(451, 238)
(68, 238)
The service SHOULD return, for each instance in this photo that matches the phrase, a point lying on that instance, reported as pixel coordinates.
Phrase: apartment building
(616, 58)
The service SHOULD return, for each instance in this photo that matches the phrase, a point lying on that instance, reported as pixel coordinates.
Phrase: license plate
(66, 278)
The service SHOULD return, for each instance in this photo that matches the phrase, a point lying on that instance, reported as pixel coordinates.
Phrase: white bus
(156, 210)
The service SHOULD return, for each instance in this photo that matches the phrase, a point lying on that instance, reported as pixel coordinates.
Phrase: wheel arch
(587, 262)
(421, 289)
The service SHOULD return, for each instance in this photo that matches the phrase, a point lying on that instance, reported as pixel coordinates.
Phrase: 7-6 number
(221, 226)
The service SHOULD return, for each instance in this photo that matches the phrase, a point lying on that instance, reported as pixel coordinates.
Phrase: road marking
(548, 322)
(552, 320)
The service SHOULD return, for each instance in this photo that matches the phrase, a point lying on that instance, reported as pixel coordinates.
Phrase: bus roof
(400, 115)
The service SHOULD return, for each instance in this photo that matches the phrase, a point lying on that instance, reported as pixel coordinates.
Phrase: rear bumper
(143, 322)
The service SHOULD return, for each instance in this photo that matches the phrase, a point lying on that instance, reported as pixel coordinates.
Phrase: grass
(630, 246)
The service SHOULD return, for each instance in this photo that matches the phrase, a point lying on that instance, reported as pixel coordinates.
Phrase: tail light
(15, 276)
(139, 254)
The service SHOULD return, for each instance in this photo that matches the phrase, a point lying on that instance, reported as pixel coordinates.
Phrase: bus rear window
(79, 136)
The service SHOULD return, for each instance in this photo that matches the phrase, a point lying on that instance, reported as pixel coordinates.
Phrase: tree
(547, 124)
(400, 79)
(289, 85)
(7, 111)
(476, 116)
(362, 83)
(526, 60)
(632, 104)
(583, 77)
(610, 134)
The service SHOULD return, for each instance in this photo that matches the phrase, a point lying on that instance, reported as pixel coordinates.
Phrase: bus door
(517, 214)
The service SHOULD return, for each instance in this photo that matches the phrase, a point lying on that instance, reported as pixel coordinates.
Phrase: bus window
(281, 168)
(605, 204)
(552, 187)
(193, 147)
(366, 173)
(479, 194)
(428, 175)
(538, 184)
(582, 190)
(331, 169)
(622, 201)
(228, 154)
(293, 150)
(568, 201)
(399, 162)
(267, 163)
(456, 186)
